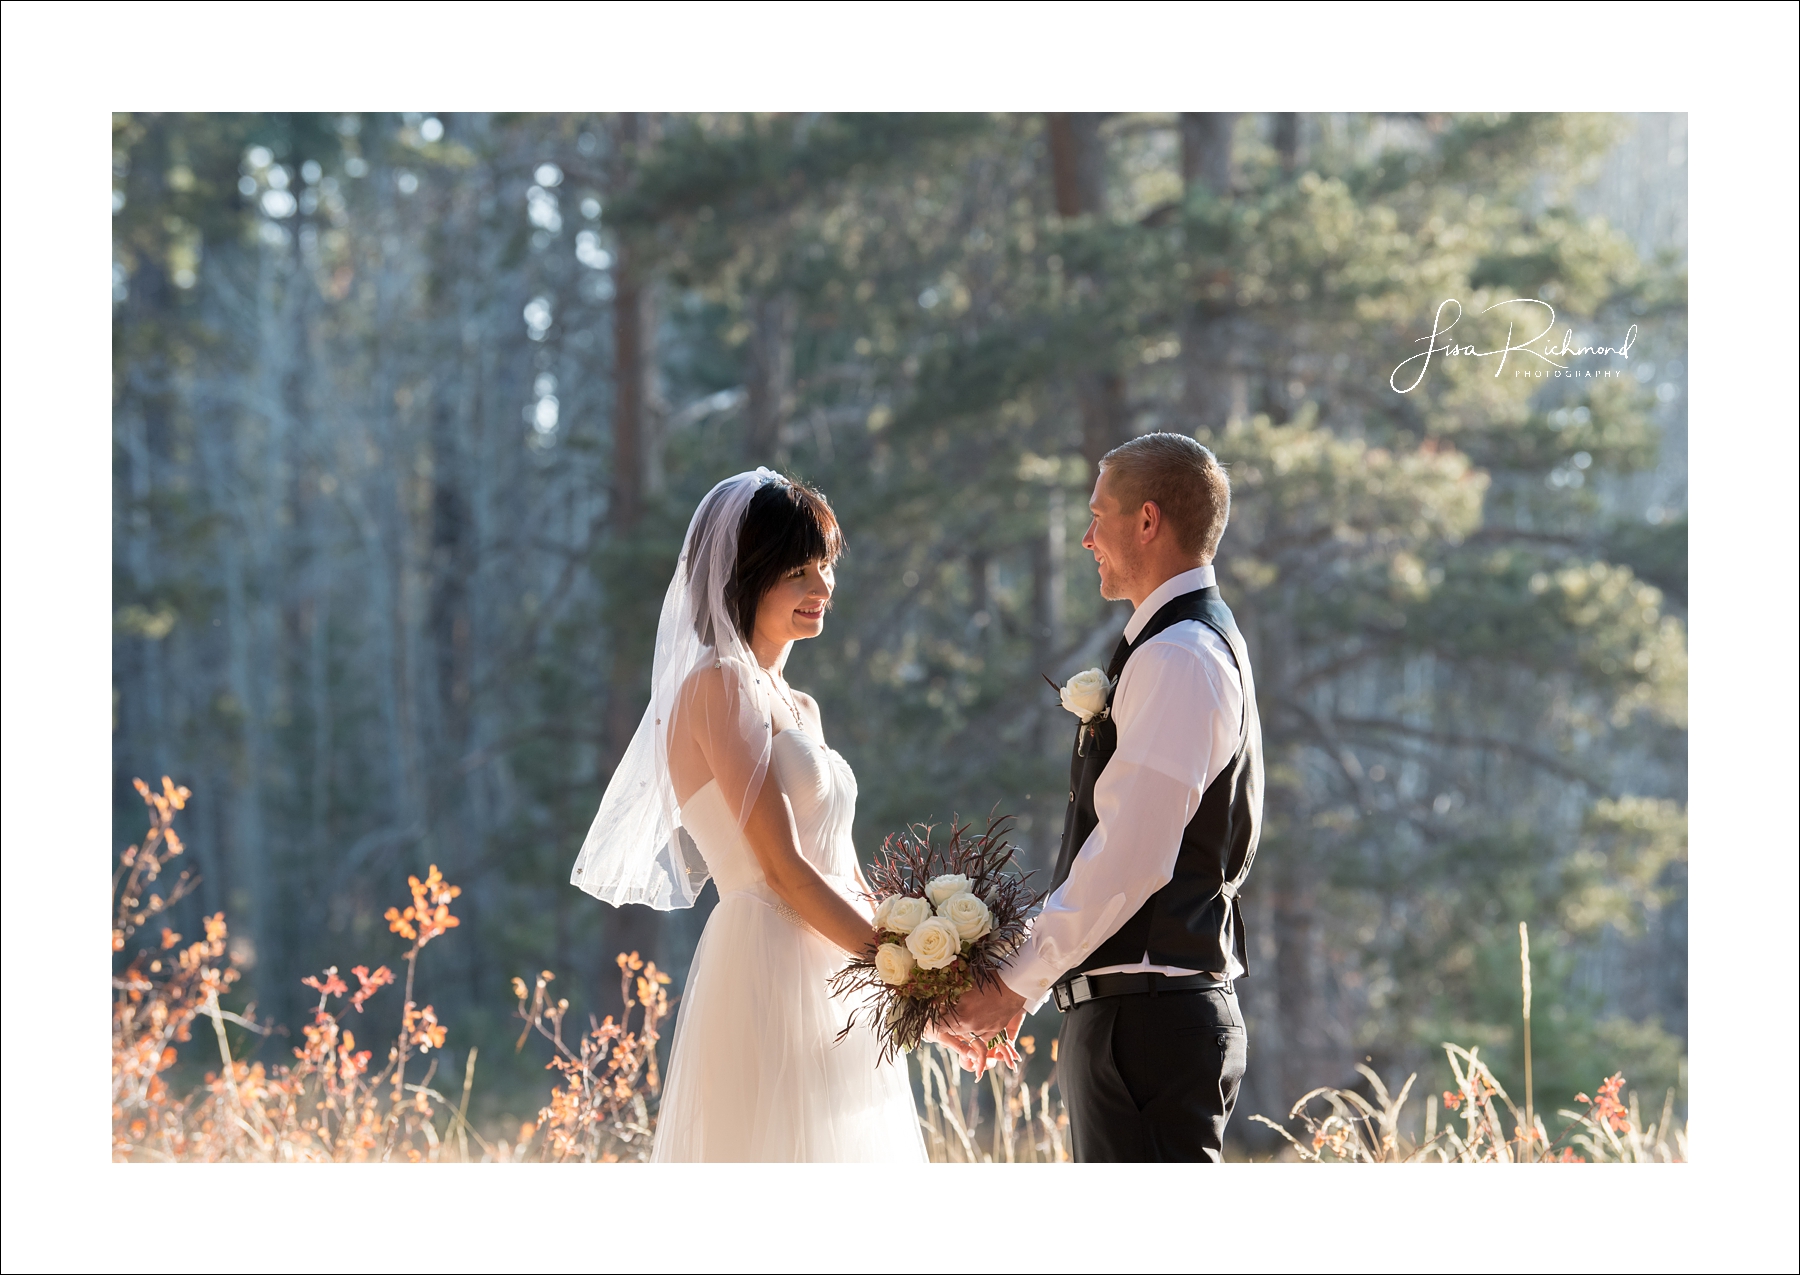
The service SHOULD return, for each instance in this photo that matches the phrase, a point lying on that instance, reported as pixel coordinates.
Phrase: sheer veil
(636, 850)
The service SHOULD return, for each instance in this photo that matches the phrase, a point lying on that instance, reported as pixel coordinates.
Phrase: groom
(1142, 935)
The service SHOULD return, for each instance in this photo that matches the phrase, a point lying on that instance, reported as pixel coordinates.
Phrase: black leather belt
(1086, 987)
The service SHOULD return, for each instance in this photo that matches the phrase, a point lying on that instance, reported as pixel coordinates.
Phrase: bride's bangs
(812, 525)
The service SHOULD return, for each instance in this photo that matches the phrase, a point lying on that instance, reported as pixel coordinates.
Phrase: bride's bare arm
(707, 724)
(773, 836)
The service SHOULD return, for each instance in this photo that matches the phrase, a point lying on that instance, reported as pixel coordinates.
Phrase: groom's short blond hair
(1183, 478)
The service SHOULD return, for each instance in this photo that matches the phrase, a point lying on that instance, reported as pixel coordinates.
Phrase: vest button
(1071, 794)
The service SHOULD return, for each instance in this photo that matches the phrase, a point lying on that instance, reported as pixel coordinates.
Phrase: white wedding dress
(756, 1072)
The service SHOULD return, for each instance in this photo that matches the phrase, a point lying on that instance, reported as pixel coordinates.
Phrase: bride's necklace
(781, 690)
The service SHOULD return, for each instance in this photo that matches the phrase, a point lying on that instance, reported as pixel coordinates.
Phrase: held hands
(982, 1027)
(970, 1053)
(974, 1054)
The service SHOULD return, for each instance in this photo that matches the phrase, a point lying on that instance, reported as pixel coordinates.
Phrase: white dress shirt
(1179, 710)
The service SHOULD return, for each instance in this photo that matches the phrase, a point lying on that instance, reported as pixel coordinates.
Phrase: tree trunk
(1048, 592)
(623, 709)
(1206, 150)
(982, 602)
(450, 568)
(773, 320)
(1056, 555)
(249, 848)
(1105, 414)
(1301, 1034)
(1213, 388)
(318, 685)
(1286, 132)
(633, 928)
(1078, 178)
(628, 367)
(1077, 163)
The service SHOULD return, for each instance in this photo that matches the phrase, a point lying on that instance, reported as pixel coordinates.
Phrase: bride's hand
(969, 1053)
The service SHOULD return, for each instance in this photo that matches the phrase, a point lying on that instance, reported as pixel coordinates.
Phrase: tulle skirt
(756, 1072)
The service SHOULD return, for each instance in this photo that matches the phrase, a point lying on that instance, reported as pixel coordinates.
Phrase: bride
(729, 777)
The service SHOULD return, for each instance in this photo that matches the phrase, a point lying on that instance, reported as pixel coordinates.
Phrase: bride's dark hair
(787, 525)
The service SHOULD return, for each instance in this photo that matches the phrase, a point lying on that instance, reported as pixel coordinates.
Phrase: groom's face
(1112, 537)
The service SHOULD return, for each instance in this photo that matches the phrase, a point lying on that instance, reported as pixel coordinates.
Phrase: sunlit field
(342, 1089)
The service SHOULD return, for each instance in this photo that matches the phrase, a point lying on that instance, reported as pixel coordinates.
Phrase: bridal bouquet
(949, 916)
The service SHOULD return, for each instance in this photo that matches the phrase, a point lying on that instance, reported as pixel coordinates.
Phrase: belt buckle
(1074, 992)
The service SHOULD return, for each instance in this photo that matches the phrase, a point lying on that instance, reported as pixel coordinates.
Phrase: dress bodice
(819, 785)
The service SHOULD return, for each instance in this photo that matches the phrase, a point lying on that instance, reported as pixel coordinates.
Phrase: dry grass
(1346, 1128)
(1019, 1125)
(1350, 1129)
(329, 1105)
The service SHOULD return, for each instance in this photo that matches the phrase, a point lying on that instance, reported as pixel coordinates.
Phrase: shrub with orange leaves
(369, 984)
(1611, 1130)
(428, 915)
(1606, 1106)
(326, 1105)
(602, 1108)
(160, 991)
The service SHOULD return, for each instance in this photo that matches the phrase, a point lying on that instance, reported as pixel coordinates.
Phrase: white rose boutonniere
(934, 944)
(940, 890)
(1085, 694)
(894, 964)
(901, 913)
(968, 914)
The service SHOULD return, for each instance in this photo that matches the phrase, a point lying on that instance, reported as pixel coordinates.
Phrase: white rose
(901, 913)
(968, 914)
(1085, 694)
(946, 887)
(934, 944)
(894, 963)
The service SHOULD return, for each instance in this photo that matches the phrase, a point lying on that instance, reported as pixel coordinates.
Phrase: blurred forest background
(411, 412)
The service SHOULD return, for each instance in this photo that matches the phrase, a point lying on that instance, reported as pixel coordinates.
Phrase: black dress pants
(1151, 1078)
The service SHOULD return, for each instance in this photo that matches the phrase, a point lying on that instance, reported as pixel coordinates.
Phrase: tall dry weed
(1018, 1124)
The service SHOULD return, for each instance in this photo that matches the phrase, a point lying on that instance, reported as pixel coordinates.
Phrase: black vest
(1194, 920)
